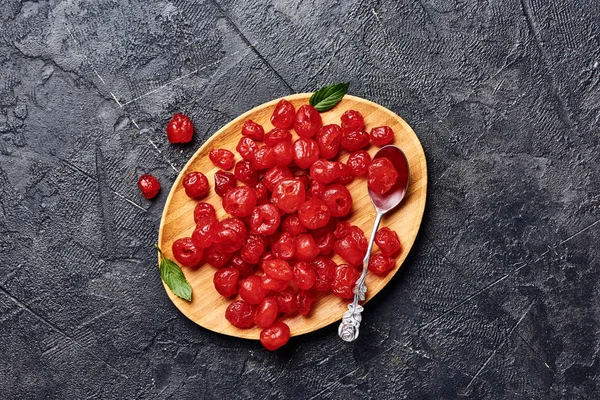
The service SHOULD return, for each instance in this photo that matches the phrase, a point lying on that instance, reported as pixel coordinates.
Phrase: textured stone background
(500, 295)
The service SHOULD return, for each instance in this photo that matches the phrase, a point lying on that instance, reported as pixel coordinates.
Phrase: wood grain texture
(207, 307)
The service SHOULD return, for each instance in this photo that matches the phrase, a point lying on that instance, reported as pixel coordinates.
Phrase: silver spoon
(349, 327)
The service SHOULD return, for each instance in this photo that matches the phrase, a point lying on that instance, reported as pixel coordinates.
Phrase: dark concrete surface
(499, 298)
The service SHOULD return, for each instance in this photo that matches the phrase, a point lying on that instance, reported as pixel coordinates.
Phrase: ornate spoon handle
(350, 325)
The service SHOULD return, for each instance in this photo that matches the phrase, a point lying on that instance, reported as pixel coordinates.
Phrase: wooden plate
(208, 307)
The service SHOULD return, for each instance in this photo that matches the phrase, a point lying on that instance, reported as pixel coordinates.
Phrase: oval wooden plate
(207, 307)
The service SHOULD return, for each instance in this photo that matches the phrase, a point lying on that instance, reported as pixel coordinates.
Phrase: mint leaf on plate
(325, 99)
(172, 275)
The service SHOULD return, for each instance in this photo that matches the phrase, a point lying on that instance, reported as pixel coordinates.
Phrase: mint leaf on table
(172, 275)
(325, 99)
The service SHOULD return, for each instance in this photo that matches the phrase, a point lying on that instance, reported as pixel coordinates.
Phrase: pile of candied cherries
(288, 217)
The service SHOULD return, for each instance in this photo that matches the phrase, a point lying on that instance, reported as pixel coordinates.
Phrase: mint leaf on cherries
(326, 98)
(172, 275)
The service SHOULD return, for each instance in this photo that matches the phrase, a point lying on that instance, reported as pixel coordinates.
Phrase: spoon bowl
(387, 201)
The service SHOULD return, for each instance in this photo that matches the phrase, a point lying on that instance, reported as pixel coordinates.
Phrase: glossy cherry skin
(180, 129)
(305, 300)
(253, 248)
(304, 275)
(204, 209)
(223, 182)
(344, 281)
(225, 281)
(215, 258)
(275, 336)
(353, 246)
(307, 121)
(277, 269)
(240, 314)
(285, 247)
(381, 175)
(352, 120)
(264, 158)
(286, 301)
(262, 194)
(325, 242)
(277, 135)
(264, 220)
(284, 153)
(288, 195)
(345, 175)
(266, 312)
(306, 152)
(251, 290)
(314, 213)
(283, 116)
(382, 135)
(355, 140)
(380, 264)
(245, 173)
(187, 253)
(291, 223)
(338, 200)
(275, 175)
(221, 158)
(244, 268)
(149, 186)
(325, 171)
(240, 201)
(358, 163)
(329, 140)
(306, 248)
(388, 242)
(246, 147)
(276, 285)
(195, 185)
(324, 268)
(253, 130)
(206, 230)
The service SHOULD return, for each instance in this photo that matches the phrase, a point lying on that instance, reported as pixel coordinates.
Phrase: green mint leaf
(325, 99)
(172, 275)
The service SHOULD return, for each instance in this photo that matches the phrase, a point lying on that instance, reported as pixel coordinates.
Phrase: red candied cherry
(325, 171)
(252, 130)
(204, 209)
(284, 153)
(252, 291)
(338, 199)
(275, 175)
(186, 252)
(353, 246)
(315, 189)
(382, 175)
(264, 158)
(264, 220)
(283, 116)
(358, 163)
(225, 281)
(306, 248)
(245, 173)
(352, 120)
(262, 195)
(345, 175)
(217, 259)
(325, 270)
(308, 121)
(325, 243)
(304, 275)
(245, 269)
(246, 147)
(253, 248)
(240, 201)
(285, 247)
(382, 135)
(276, 285)
(388, 242)
(195, 185)
(223, 182)
(341, 229)
(313, 213)
(180, 129)
(286, 301)
(277, 135)
(305, 299)
(288, 195)
(237, 225)
(227, 240)
(149, 186)
(277, 269)
(240, 314)
(275, 336)
(291, 224)
(380, 264)
(221, 158)
(344, 281)
(206, 230)
(329, 140)
(306, 152)
(355, 140)
(266, 313)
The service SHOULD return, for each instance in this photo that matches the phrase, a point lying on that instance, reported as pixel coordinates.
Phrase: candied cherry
(276, 285)
(358, 163)
(244, 268)
(186, 252)
(245, 173)
(277, 269)
(345, 175)
(180, 129)
(254, 247)
(306, 152)
(204, 209)
(264, 220)
(325, 171)
(149, 186)
(275, 175)
(305, 299)
(206, 230)
(223, 182)
(338, 200)
(304, 275)
(380, 264)
(240, 314)
(285, 247)
(252, 130)
(277, 135)
(266, 313)
(236, 225)
(352, 120)
(314, 213)
(355, 140)
(264, 158)
(246, 147)
(382, 175)
(283, 116)
(275, 336)
(286, 301)
(217, 259)
(284, 153)
(227, 240)
(306, 248)
(325, 243)
(240, 201)
(325, 270)
(329, 140)
(344, 280)
(353, 246)
(388, 242)
(195, 185)
(225, 281)
(341, 229)
(308, 121)
(262, 195)
(315, 189)
(221, 158)
(288, 195)
(291, 223)
(252, 291)
(382, 135)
